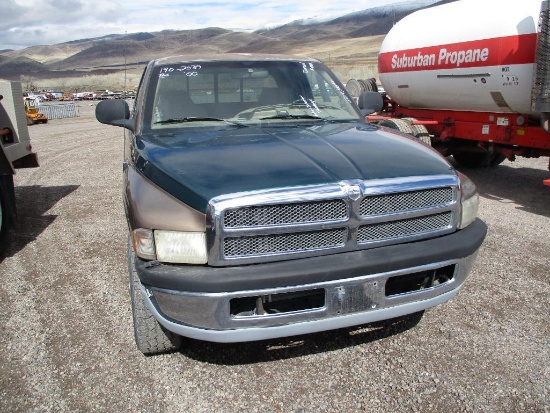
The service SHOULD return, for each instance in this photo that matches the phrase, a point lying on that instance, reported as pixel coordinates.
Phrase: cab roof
(230, 57)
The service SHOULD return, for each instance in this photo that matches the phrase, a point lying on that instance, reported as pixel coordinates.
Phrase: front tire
(150, 336)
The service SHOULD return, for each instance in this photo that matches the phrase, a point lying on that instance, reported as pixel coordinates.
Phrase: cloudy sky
(26, 23)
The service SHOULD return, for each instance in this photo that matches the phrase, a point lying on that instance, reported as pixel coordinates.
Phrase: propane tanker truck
(472, 78)
(15, 151)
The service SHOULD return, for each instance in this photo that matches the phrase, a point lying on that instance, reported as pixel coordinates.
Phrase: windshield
(246, 93)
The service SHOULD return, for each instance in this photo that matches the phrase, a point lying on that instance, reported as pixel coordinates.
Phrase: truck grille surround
(274, 225)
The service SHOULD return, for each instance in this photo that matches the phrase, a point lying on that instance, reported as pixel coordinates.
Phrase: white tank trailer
(471, 55)
(471, 78)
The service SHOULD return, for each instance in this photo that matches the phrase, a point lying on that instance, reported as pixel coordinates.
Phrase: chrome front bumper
(347, 302)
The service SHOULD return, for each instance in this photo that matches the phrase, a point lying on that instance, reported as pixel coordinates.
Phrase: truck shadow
(33, 202)
(521, 186)
(297, 346)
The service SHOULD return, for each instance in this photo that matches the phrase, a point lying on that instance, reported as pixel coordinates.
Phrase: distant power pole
(125, 35)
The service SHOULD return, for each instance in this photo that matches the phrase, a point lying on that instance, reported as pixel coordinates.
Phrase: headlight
(171, 246)
(469, 201)
(181, 247)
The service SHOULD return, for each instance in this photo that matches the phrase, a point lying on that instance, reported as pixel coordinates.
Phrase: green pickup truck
(261, 204)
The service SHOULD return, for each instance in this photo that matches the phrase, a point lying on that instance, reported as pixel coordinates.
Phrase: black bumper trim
(205, 279)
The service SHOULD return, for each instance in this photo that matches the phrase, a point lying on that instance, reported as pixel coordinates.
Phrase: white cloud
(38, 22)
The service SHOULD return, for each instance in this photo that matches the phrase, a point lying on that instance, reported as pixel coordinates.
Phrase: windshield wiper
(198, 119)
(289, 116)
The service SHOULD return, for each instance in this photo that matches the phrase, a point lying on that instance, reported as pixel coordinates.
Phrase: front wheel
(150, 336)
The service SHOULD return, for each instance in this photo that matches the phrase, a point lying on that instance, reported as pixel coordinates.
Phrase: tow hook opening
(277, 303)
(418, 281)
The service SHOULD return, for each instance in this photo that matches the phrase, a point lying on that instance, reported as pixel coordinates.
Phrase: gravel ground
(66, 331)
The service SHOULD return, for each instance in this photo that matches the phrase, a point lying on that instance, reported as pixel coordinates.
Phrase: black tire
(368, 85)
(497, 159)
(354, 88)
(420, 132)
(398, 124)
(478, 159)
(3, 222)
(373, 85)
(150, 336)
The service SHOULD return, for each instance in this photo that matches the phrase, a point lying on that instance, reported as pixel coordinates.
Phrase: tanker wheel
(478, 159)
(398, 124)
(497, 159)
(369, 85)
(354, 88)
(373, 84)
(420, 132)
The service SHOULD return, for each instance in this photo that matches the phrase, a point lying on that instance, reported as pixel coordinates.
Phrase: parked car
(281, 213)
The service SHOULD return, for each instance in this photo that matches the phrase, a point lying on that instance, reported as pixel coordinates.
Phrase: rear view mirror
(114, 112)
(250, 73)
(370, 102)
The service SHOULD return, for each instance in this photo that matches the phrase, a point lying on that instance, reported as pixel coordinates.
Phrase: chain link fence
(59, 110)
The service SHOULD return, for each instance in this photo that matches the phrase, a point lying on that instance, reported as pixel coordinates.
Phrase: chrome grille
(274, 225)
(404, 227)
(285, 214)
(284, 243)
(405, 201)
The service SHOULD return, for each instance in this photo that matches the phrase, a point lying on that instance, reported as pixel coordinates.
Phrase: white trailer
(15, 151)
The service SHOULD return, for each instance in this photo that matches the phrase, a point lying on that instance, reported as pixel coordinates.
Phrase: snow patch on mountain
(405, 6)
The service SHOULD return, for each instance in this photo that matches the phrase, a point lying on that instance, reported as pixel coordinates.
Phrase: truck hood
(198, 164)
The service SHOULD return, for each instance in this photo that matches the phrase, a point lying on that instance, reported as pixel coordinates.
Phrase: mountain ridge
(116, 51)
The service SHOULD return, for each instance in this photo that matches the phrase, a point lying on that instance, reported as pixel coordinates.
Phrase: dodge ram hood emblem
(354, 192)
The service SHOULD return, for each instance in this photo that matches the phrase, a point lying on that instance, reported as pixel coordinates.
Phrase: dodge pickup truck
(261, 204)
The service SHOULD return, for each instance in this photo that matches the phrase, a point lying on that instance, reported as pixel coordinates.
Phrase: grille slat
(298, 213)
(404, 227)
(405, 201)
(284, 243)
(258, 233)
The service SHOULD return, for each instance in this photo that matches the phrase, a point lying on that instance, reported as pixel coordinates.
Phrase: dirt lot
(67, 341)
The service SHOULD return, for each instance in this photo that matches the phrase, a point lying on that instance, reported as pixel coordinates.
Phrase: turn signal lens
(144, 244)
(469, 201)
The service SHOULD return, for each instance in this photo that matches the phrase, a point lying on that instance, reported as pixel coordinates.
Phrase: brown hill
(351, 39)
(20, 64)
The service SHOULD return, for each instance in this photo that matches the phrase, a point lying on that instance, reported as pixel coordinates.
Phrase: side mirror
(114, 112)
(370, 102)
